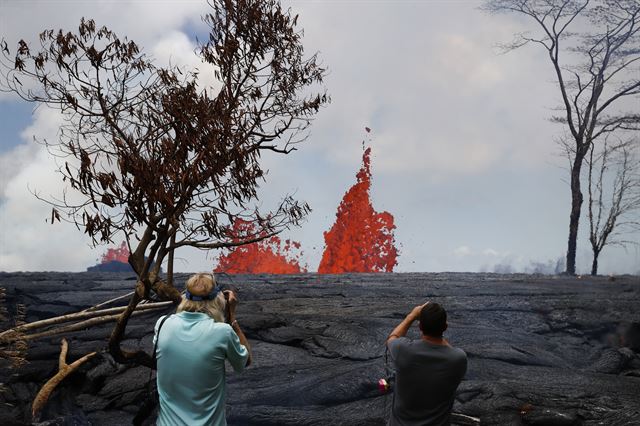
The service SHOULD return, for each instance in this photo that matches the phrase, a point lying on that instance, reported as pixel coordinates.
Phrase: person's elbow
(239, 364)
(239, 367)
(390, 339)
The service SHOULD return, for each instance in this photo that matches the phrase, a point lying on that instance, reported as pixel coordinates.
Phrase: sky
(463, 153)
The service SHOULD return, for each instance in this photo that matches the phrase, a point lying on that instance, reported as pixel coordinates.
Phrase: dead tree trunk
(166, 292)
(120, 355)
(574, 217)
(594, 264)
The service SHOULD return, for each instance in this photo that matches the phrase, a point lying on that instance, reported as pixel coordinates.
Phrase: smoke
(551, 267)
(511, 266)
(503, 268)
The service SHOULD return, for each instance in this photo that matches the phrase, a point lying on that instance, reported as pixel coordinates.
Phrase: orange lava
(269, 256)
(120, 254)
(361, 239)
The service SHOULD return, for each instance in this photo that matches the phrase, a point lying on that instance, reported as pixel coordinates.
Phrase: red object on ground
(361, 239)
(119, 254)
(269, 256)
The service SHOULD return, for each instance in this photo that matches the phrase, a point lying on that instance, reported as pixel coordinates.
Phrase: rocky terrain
(543, 350)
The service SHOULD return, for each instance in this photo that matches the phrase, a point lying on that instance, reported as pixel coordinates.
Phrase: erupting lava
(269, 256)
(361, 239)
(119, 254)
(114, 260)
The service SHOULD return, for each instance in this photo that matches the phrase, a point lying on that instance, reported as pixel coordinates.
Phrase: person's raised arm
(232, 303)
(402, 328)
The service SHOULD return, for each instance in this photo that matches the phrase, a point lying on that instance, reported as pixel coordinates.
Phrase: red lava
(119, 254)
(269, 256)
(361, 239)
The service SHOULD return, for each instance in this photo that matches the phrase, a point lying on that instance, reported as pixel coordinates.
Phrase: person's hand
(415, 312)
(232, 301)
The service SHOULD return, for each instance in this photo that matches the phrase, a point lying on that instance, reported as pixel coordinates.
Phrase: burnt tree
(614, 195)
(594, 50)
(154, 155)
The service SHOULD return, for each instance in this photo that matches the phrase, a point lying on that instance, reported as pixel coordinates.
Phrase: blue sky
(463, 152)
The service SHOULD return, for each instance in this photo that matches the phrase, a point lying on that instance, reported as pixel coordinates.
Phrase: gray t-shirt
(427, 376)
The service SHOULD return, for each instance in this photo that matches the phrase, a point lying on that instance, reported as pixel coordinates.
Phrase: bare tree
(614, 195)
(152, 155)
(594, 49)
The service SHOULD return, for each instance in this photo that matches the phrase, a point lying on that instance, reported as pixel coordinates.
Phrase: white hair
(203, 284)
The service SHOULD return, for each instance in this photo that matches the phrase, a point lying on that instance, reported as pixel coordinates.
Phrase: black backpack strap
(151, 400)
(155, 345)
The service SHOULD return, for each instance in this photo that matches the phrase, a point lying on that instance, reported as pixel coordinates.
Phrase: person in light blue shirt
(192, 347)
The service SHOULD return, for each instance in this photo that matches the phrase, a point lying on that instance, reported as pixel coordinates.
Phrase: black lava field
(543, 350)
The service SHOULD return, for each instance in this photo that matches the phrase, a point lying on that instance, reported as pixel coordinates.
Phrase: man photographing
(428, 370)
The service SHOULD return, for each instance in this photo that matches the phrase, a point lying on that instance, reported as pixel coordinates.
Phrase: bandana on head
(210, 296)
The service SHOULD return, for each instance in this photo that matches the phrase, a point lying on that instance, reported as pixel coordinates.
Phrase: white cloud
(465, 60)
(13, 161)
(28, 242)
(176, 49)
(462, 251)
(490, 252)
(141, 21)
(439, 99)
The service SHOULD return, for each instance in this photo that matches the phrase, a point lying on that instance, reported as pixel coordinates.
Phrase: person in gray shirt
(428, 370)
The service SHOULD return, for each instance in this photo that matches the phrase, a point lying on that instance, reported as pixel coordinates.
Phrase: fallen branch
(63, 371)
(115, 299)
(88, 323)
(78, 316)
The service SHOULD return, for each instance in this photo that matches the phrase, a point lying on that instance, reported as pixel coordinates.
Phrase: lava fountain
(268, 256)
(118, 254)
(361, 239)
(114, 260)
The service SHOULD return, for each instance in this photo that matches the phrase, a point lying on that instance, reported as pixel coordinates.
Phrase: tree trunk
(165, 292)
(170, 263)
(574, 217)
(594, 264)
(119, 355)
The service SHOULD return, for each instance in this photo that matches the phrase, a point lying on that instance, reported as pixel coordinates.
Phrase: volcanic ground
(543, 350)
